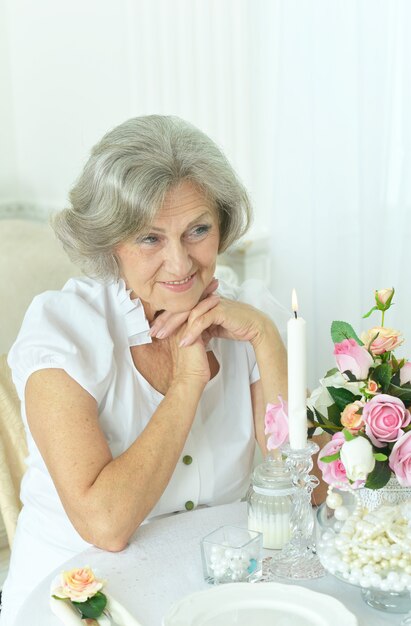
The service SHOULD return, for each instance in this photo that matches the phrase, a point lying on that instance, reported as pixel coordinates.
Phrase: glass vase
(375, 554)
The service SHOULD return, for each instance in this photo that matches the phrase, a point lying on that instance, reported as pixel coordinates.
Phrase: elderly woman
(142, 386)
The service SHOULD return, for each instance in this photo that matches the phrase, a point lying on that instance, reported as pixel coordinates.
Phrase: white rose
(320, 397)
(357, 458)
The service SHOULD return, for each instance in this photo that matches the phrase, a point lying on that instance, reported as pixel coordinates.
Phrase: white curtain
(340, 136)
(310, 100)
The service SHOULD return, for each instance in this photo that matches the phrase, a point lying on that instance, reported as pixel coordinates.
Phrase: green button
(187, 459)
(189, 505)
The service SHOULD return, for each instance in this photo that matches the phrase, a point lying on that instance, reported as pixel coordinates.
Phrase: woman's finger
(168, 324)
(210, 288)
(200, 322)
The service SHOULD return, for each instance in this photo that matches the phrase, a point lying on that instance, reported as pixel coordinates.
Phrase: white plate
(266, 604)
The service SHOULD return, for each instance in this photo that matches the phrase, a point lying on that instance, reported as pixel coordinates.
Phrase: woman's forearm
(127, 488)
(106, 499)
(272, 362)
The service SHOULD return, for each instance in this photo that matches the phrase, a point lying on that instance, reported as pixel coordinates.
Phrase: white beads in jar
(231, 554)
(369, 549)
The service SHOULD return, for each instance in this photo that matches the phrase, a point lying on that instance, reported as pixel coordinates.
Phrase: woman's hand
(228, 319)
(166, 323)
(189, 363)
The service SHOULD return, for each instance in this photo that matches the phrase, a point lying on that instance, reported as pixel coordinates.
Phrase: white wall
(79, 68)
(309, 100)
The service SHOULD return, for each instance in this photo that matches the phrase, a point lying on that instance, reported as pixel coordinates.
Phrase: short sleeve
(64, 330)
(255, 293)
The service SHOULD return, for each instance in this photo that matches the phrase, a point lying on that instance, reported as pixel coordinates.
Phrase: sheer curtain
(310, 100)
(339, 203)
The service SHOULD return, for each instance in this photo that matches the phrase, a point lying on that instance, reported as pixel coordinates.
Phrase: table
(163, 563)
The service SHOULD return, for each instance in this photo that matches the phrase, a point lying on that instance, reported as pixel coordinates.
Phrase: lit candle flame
(294, 302)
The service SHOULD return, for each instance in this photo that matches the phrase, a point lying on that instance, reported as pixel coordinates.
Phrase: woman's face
(170, 265)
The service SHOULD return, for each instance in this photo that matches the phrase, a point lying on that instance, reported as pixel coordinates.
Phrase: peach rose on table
(400, 460)
(78, 585)
(385, 417)
(333, 471)
(276, 424)
(380, 339)
(353, 358)
(351, 418)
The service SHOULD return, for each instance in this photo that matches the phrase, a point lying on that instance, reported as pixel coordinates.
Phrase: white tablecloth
(163, 564)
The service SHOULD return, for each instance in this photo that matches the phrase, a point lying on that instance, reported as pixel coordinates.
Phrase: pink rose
(380, 339)
(333, 472)
(400, 460)
(385, 417)
(276, 424)
(354, 358)
(405, 373)
(78, 585)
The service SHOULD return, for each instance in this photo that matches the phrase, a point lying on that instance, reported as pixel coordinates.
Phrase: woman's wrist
(265, 331)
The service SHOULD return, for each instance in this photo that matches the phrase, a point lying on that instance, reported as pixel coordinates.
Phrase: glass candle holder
(231, 554)
(269, 501)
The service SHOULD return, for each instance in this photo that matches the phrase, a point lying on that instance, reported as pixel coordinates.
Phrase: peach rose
(78, 585)
(383, 295)
(351, 418)
(380, 339)
(372, 386)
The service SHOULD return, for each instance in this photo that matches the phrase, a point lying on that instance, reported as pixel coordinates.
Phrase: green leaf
(342, 397)
(374, 308)
(379, 456)
(403, 393)
(334, 415)
(382, 375)
(379, 476)
(347, 435)
(325, 424)
(330, 457)
(331, 372)
(350, 376)
(93, 607)
(343, 330)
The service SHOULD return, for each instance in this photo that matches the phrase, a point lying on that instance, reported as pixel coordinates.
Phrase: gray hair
(125, 181)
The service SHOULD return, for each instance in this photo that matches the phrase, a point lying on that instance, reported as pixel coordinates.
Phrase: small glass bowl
(232, 554)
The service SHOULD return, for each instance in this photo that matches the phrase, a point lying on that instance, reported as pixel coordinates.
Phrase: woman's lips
(181, 285)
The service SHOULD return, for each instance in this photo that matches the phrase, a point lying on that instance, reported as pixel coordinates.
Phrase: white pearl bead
(334, 500)
(341, 513)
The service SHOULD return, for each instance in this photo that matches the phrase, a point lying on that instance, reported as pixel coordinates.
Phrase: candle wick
(295, 314)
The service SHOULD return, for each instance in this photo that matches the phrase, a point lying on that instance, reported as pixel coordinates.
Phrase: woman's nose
(177, 261)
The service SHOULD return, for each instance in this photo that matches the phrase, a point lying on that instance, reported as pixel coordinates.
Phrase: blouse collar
(137, 325)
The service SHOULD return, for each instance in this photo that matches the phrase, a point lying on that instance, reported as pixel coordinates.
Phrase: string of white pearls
(228, 563)
(370, 549)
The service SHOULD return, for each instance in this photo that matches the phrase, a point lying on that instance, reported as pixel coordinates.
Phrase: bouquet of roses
(363, 403)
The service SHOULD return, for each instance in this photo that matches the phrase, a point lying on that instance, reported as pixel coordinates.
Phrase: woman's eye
(201, 230)
(148, 239)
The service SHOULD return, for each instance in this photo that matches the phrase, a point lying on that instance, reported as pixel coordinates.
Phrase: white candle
(297, 378)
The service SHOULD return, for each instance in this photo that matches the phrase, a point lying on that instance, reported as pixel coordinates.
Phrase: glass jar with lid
(269, 501)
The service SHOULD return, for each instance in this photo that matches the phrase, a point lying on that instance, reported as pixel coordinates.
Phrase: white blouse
(87, 329)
